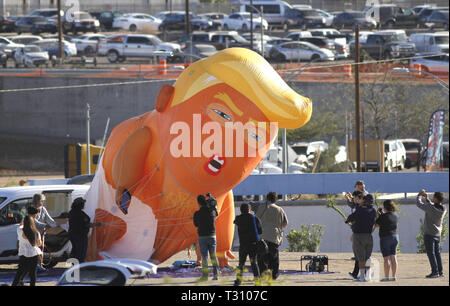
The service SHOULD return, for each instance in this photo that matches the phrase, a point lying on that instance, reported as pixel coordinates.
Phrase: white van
(13, 207)
(430, 42)
(277, 13)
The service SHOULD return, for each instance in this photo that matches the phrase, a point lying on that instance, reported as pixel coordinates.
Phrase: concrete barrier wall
(336, 236)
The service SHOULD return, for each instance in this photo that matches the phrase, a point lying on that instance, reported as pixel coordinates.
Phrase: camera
(211, 202)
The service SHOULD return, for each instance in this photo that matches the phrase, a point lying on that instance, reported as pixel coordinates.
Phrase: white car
(118, 47)
(13, 207)
(137, 21)
(87, 44)
(394, 155)
(435, 64)
(299, 50)
(8, 46)
(31, 56)
(25, 39)
(241, 21)
(328, 17)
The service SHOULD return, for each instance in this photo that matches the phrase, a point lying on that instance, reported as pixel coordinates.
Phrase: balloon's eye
(222, 114)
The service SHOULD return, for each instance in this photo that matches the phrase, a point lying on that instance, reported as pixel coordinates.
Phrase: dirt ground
(412, 269)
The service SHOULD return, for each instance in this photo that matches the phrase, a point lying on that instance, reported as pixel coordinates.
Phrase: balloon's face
(216, 138)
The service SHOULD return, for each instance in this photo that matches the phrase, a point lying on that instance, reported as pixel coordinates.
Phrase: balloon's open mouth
(215, 165)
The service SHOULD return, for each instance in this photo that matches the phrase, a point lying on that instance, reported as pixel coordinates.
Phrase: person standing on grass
(29, 251)
(387, 222)
(432, 229)
(249, 229)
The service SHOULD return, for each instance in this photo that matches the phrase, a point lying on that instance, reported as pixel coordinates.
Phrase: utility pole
(188, 22)
(60, 48)
(251, 23)
(88, 140)
(357, 102)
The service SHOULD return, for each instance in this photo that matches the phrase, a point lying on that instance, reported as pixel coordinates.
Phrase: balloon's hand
(123, 199)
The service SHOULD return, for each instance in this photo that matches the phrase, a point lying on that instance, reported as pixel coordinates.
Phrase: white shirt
(25, 247)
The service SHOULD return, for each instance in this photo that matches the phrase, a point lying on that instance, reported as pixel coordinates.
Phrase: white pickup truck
(119, 47)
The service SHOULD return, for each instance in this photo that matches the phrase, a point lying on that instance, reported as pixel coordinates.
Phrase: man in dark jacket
(249, 229)
(79, 224)
(363, 220)
(204, 220)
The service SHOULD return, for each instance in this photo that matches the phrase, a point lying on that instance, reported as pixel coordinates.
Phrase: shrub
(308, 238)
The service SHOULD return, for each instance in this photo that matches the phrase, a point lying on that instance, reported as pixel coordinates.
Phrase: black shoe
(441, 275)
(432, 275)
(352, 275)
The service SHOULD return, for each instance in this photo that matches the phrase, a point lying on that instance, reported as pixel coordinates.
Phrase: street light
(408, 70)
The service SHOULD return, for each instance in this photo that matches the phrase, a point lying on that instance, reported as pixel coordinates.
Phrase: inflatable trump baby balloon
(206, 135)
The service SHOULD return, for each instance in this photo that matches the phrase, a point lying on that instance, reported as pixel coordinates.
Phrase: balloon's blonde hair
(251, 75)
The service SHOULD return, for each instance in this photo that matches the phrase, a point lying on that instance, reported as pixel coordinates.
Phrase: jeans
(208, 245)
(434, 253)
(27, 265)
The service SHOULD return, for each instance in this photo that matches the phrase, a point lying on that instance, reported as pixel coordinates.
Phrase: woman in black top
(79, 225)
(387, 222)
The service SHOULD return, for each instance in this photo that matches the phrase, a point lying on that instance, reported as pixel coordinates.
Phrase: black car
(106, 18)
(35, 25)
(177, 21)
(306, 18)
(426, 12)
(438, 19)
(352, 18)
(391, 15)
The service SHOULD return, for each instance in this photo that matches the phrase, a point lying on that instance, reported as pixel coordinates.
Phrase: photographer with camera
(204, 220)
(432, 229)
(387, 222)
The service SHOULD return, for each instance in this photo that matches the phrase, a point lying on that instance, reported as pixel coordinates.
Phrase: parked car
(430, 42)
(350, 19)
(13, 206)
(51, 45)
(35, 25)
(386, 45)
(8, 24)
(118, 47)
(328, 17)
(298, 35)
(435, 64)
(426, 12)
(109, 272)
(30, 56)
(25, 39)
(198, 51)
(3, 59)
(297, 51)
(241, 21)
(419, 8)
(308, 18)
(216, 19)
(228, 39)
(137, 22)
(413, 148)
(321, 42)
(47, 12)
(277, 13)
(391, 15)
(341, 48)
(106, 19)
(438, 19)
(88, 43)
(8, 46)
(395, 155)
(80, 22)
(273, 42)
(177, 21)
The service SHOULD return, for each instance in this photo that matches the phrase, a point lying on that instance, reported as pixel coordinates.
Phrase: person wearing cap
(362, 221)
(359, 186)
(79, 225)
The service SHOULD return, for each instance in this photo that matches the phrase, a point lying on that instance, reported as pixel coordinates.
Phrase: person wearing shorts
(387, 222)
(362, 221)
